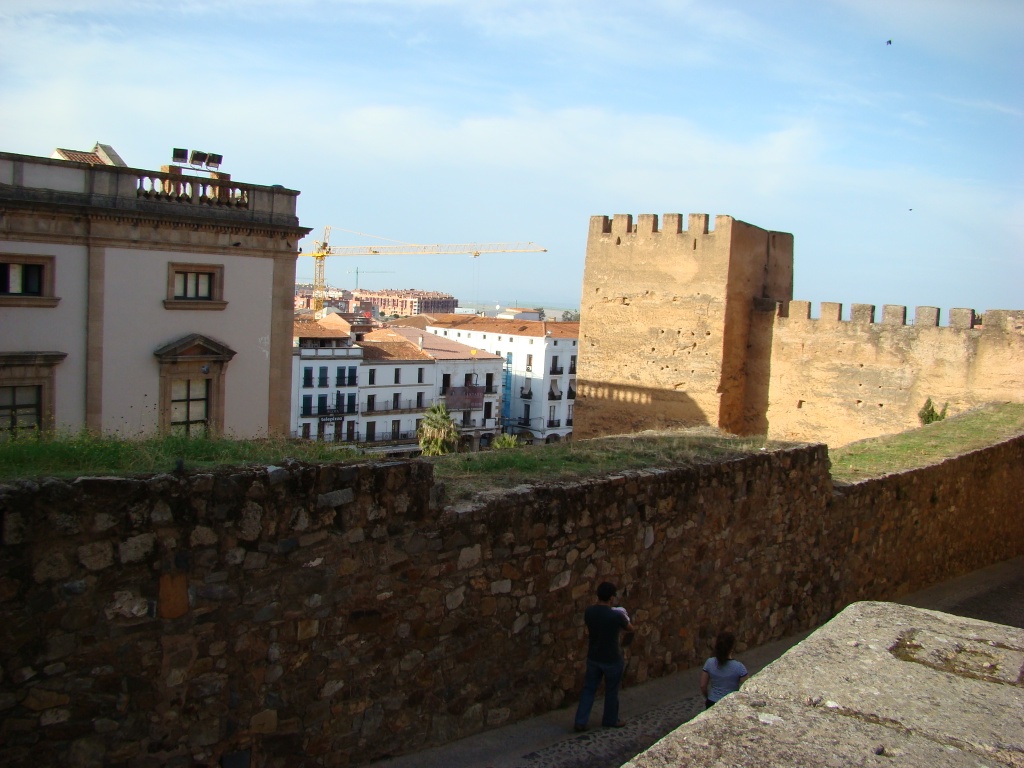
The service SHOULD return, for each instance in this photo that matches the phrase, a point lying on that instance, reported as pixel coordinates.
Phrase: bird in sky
(888, 42)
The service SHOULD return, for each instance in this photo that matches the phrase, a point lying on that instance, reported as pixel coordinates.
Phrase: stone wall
(329, 615)
(696, 327)
(838, 381)
(666, 326)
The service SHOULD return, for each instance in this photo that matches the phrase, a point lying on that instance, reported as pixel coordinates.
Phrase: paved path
(657, 707)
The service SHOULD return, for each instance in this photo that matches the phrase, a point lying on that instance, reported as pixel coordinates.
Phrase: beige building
(134, 302)
(406, 302)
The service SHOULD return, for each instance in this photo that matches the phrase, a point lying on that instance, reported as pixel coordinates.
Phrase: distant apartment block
(407, 302)
(135, 302)
(539, 373)
(370, 388)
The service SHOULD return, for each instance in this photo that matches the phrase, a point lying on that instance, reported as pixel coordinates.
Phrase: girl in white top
(722, 674)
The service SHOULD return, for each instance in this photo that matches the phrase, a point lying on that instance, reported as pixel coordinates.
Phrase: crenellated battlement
(622, 224)
(701, 321)
(896, 314)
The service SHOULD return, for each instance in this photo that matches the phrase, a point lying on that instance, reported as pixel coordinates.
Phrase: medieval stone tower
(676, 323)
(691, 327)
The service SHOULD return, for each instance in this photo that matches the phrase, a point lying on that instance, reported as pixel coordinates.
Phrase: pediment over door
(193, 348)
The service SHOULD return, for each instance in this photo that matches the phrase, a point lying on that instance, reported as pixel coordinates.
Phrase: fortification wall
(839, 381)
(302, 615)
(665, 322)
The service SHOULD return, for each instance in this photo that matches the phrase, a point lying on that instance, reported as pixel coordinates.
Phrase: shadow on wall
(607, 408)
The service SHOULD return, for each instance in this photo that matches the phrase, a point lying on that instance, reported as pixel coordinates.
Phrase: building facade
(127, 299)
(406, 302)
(369, 389)
(539, 374)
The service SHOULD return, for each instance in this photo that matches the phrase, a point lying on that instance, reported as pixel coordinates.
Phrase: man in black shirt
(604, 658)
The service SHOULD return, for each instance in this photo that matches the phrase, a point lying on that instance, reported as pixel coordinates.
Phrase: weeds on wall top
(928, 414)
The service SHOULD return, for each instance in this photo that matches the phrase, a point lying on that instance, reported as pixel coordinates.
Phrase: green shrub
(504, 441)
(928, 414)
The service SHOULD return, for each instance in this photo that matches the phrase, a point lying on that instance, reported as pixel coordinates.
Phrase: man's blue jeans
(612, 674)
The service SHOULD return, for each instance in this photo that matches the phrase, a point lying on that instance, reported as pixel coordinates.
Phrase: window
(322, 379)
(340, 380)
(396, 401)
(467, 380)
(192, 392)
(372, 376)
(371, 402)
(350, 402)
(305, 431)
(307, 377)
(487, 410)
(307, 405)
(398, 375)
(419, 399)
(26, 281)
(321, 405)
(351, 375)
(419, 376)
(489, 383)
(572, 364)
(190, 400)
(371, 431)
(21, 410)
(195, 286)
(446, 382)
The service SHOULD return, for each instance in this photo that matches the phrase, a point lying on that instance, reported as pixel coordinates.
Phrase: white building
(325, 378)
(134, 302)
(371, 389)
(539, 381)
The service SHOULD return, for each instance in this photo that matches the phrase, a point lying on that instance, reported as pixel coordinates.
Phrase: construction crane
(357, 271)
(322, 249)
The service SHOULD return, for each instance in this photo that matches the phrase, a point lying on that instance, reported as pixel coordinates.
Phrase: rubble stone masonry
(331, 615)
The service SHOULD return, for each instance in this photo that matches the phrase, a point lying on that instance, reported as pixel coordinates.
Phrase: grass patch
(86, 454)
(930, 444)
(467, 474)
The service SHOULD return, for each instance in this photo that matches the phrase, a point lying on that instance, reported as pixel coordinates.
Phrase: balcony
(557, 371)
(554, 395)
(477, 423)
(345, 381)
(491, 390)
(572, 369)
(315, 412)
(568, 422)
(332, 353)
(554, 423)
(403, 406)
(387, 438)
(572, 393)
(526, 394)
(521, 422)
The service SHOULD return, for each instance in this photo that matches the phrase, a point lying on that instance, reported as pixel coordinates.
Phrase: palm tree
(437, 433)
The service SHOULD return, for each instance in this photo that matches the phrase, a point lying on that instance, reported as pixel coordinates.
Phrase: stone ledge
(880, 684)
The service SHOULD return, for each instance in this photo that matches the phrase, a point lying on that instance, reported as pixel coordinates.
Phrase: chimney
(421, 342)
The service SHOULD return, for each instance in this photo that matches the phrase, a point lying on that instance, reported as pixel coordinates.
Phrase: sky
(898, 168)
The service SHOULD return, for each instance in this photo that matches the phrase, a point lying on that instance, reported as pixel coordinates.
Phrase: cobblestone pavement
(611, 747)
(657, 707)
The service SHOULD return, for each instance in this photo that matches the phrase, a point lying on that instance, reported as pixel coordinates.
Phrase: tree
(540, 312)
(570, 316)
(437, 433)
